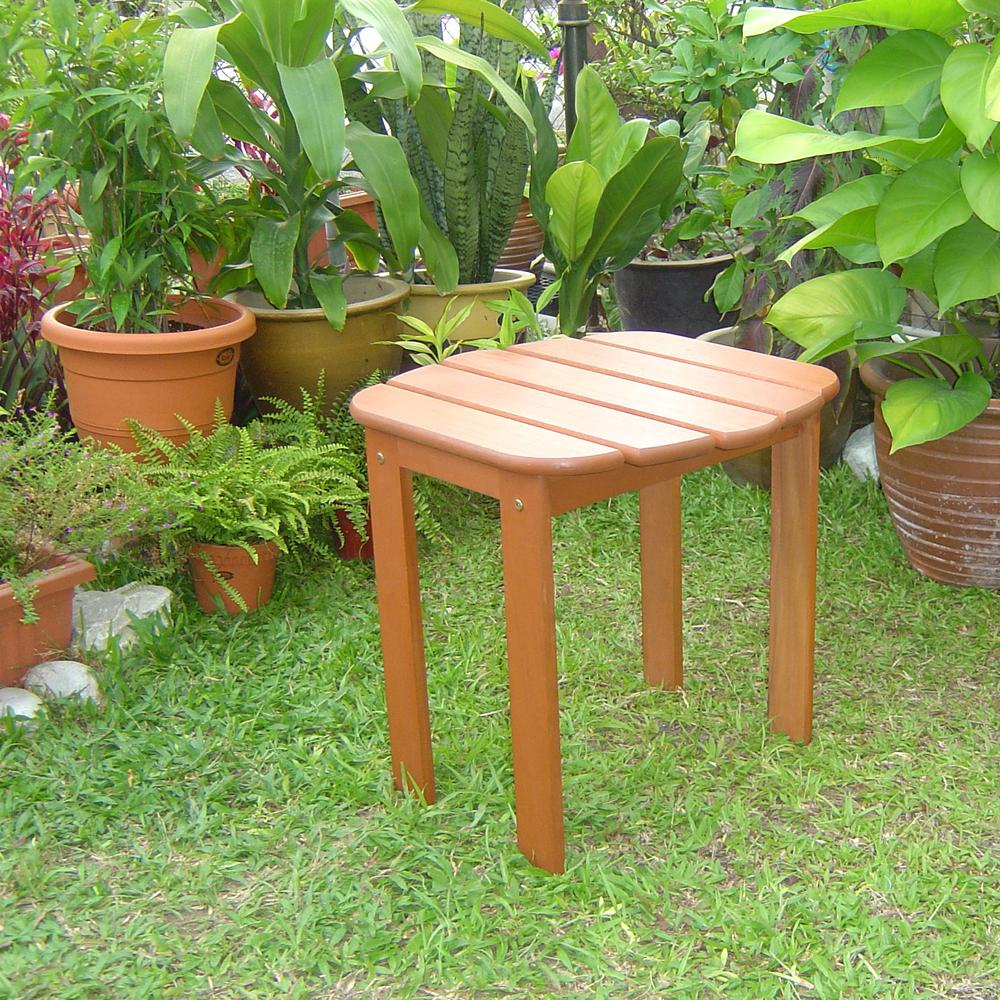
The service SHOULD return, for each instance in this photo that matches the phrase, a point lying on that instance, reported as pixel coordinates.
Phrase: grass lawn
(226, 826)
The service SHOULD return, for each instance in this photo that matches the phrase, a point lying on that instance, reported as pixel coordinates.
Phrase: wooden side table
(551, 426)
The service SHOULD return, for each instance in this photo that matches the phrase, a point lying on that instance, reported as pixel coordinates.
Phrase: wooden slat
(784, 371)
(483, 437)
(729, 426)
(788, 403)
(642, 441)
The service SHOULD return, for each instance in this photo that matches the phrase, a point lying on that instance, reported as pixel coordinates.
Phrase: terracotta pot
(353, 546)
(293, 346)
(524, 245)
(427, 303)
(151, 377)
(669, 295)
(23, 645)
(944, 496)
(253, 581)
(205, 271)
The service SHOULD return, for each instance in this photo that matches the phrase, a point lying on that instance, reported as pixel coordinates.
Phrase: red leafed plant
(26, 279)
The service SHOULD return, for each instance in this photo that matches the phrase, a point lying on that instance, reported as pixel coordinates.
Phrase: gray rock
(102, 615)
(19, 703)
(859, 453)
(63, 679)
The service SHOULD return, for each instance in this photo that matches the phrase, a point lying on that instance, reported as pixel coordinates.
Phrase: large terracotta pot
(23, 645)
(253, 581)
(151, 377)
(293, 346)
(524, 245)
(428, 304)
(944, 496)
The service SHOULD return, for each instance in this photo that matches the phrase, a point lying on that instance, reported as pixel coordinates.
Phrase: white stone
(859, 453)
(102, 615)
(63, 679)
(20, 703)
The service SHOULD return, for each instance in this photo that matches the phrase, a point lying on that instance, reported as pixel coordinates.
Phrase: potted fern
(233, 502)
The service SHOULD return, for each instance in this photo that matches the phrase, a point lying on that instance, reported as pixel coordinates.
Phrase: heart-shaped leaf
(917, 410)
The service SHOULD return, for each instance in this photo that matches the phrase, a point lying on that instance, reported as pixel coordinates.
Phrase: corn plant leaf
(187, 67)
(317, 104)
(272, 249)
(329, 289)
(491, 16)
(387, 18)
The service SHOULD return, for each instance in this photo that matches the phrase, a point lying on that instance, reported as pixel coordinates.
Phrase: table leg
(660, 557)
(398, 588)
(794, 504)
(529, 602)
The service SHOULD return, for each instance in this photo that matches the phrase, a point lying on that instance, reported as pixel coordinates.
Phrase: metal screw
(518, 504)
(380, 458)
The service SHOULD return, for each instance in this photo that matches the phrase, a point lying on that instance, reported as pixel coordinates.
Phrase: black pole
(574, 19)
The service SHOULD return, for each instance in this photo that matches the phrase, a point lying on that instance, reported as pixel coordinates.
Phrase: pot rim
(239, 326)
(63, 573)
(655, 263)
(513, 278)
(397, 294)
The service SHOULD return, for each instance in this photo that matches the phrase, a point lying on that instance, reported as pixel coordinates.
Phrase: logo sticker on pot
(225, 356)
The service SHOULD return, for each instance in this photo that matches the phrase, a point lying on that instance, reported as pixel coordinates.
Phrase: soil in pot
(151, 377)
(669, 295)
(22, 644)
(253, 581)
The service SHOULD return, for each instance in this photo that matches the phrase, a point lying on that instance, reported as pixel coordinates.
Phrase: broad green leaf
(274, 23)
(923, 203)
(310, 31)
(187, 67)
(834, 310)
(857, 227)
(317, 104)
(918, 271)
(457, 57)
(388, 20)
(243, 44)
(381, 160)
(963, 91)
(597, 123)
(237, 117)
(767, 138)
(861, 193)
(991, 7)
(207, 137)
(438, 254)
(938, 16)
(981, 184)
(63, 17)
(967, 265)
(728, 286)
(573, 193)
(493, 18)
(272, 250)
(953, 348)
(329, 289)
(433, 113)
(917, 410)
(894, 71)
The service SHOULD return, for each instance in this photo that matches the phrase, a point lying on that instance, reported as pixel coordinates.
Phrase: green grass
(226, 826)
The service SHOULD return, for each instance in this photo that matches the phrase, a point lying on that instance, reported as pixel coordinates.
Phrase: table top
(571, 407)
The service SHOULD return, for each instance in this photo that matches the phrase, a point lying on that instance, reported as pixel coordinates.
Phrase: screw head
(518, 504)
(380, 458)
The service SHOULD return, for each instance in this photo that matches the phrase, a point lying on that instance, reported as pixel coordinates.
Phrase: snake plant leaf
(917, 410)
(389, 21)
(329, 290)
(381, 159)
(963, 91)
(967, 265)
(187, 67)
(765, 138)
(496, 21)
(829, 313)
(597, 121)
(317, 104)
(938, 16)
(272, 249)
(894, 71)
(573, 192)
(922, 204)
(981, 184)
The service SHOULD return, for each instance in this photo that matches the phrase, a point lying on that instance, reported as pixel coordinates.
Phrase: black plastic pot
(669, 295)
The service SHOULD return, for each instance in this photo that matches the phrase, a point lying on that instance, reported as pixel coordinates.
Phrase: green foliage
(928, 206)
(89, 82)
(428, 345)
(519, 318)
(58, 497)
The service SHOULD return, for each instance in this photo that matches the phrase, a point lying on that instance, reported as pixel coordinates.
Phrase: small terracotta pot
(944, 496)
(524, 245)
(353, 546)
(23, 645)
(151, 377)
(253, 581)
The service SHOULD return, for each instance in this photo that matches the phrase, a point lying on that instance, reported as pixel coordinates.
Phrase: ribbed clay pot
(151, 377)
(253, 581)
(428, 304)
(293, 346)
(22, 645)
(524, 245)
(944, 496)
